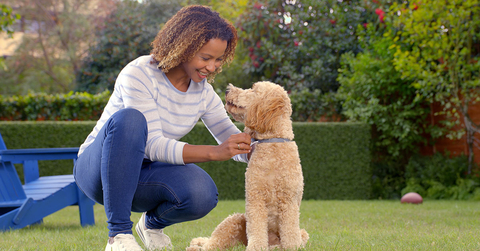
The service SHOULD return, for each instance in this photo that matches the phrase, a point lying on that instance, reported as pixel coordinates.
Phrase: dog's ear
(263, 115)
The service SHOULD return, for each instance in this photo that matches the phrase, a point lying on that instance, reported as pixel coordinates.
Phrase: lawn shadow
(53, 226)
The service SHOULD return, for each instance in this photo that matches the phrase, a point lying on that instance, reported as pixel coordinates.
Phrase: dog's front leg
(257, 221)
(289, 220)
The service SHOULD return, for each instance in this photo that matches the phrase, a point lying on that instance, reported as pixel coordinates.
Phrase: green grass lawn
(332, 225)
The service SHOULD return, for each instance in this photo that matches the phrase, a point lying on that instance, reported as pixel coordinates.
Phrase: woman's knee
(201, 198)
(129, 123)
(202, 204)
(129, 117)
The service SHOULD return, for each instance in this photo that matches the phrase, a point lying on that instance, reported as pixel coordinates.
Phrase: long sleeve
(218, 123)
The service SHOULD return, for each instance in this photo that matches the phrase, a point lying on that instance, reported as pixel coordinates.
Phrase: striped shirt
(170, 113)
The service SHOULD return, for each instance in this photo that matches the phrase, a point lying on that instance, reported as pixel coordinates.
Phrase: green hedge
(44, 134)
(38, 107)
(335, 156)
(83, 106)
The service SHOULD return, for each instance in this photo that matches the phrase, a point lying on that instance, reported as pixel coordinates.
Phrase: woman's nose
(211, 66)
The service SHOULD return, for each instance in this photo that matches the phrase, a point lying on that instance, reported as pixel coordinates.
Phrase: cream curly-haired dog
(273, 180)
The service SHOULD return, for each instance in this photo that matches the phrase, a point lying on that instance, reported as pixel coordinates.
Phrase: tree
(229, 9)
(56, 37)
(437, 43)
(7, 19)
(126, 35)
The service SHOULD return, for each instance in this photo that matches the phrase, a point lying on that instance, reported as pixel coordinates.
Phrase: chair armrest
(19, 155)
(30, 157)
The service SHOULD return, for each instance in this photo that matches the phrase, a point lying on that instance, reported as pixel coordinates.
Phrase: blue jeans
(113, 172)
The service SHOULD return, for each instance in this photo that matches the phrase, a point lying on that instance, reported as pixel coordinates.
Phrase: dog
(273, 180)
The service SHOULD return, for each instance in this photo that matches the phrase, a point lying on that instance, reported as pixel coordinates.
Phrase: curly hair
(185, 34)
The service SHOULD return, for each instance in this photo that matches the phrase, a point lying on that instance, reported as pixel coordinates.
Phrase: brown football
(412, 197)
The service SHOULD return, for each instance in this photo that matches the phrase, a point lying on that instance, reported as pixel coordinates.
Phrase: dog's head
(261, 107)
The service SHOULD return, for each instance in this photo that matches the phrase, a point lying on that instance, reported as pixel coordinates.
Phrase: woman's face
(206, 60)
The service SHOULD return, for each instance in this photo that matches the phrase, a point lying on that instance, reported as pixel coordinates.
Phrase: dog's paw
(254, 247)
(200, 241)
(305, 237)
(194, 248)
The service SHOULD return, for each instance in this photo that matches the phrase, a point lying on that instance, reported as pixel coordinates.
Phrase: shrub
(298, 44)
(440, 50)
(70, 106)
(315, 106)
(441, 177)
(373, 91)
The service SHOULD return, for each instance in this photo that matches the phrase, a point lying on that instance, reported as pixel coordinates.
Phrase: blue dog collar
(272, 140)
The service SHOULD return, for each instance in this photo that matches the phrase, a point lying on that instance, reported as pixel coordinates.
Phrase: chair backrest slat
(2, 143)
(10, 185)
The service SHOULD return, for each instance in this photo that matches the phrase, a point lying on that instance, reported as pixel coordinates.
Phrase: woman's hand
(235, 144)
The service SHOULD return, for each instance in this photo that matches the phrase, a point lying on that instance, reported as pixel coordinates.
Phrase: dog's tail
(229, 233)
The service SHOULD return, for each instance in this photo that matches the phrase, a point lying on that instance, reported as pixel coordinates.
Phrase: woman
(133, 161)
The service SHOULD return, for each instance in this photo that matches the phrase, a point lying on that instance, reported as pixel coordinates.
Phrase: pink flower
(365, 25)
(256, 64)
(296, 43)
(379, 11)
(258, 6)
(381, 14)
(333, 21)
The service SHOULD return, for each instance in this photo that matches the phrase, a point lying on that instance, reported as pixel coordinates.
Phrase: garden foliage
(437, 44)
(298, 44)
(441, 177)
(401, 70)
(7, 19)
(373, 91)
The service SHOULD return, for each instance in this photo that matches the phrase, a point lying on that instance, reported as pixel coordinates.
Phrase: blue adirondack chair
(27, 204)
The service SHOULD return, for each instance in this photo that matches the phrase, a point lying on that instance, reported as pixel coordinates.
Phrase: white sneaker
(123, 242)
(153, 239)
